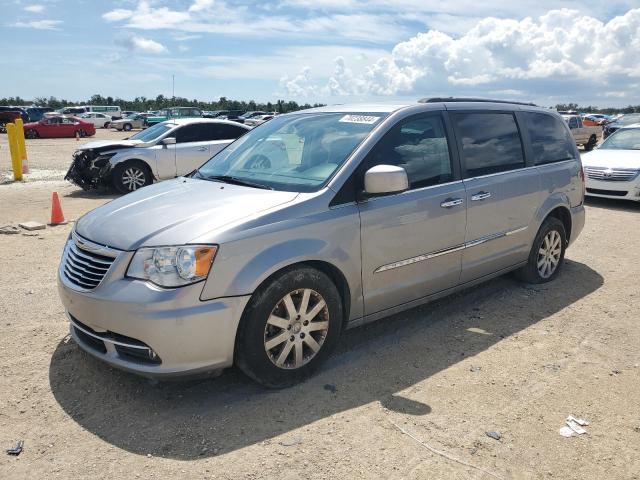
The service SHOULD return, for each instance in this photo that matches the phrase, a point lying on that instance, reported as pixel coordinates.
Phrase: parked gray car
(137, 120)
(315, 222)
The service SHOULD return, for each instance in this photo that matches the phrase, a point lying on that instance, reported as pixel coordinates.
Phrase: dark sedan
(626, 119)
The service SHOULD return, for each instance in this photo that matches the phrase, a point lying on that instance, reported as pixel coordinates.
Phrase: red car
(55, 127)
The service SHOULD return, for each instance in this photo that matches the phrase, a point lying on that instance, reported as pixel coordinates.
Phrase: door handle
(480, 196)
(451, 202)
(202, 149)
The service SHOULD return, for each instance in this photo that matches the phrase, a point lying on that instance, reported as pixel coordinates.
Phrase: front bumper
(124, 317)
(617, 190)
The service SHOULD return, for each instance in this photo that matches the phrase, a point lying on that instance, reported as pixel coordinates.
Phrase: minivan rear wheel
(547, 253)
(289, 328)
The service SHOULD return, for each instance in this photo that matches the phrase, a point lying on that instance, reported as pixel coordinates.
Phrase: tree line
(592, 109)
(142, 104)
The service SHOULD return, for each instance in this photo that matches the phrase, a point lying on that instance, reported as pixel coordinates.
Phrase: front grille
(613, 193)
(611, 174)
(83, 267)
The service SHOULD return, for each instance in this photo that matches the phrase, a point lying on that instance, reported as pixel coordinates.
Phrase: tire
(30, 133)
(131, 175)
(545, 247)
(106, 125)
(278, 347)
(3, 128)
(82, 133)
(591, 143)
(126, 127)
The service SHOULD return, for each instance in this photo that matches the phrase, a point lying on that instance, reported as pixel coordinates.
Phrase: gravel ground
(407, 397)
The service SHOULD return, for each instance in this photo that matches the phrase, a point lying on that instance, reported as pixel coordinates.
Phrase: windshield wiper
(236, 181)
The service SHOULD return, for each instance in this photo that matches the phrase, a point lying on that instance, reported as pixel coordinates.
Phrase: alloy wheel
(133, 178)
(296, 329)
(549, 254)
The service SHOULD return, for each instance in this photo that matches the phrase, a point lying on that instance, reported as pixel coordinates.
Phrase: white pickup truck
(585, 136)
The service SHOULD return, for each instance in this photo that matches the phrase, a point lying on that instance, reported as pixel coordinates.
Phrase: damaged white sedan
(166, 150)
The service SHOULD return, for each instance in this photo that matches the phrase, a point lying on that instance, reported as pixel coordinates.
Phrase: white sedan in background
(613, 169)
(165, 150)
(99, 120)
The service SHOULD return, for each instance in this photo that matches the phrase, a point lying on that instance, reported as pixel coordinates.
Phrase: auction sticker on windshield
(366, 119)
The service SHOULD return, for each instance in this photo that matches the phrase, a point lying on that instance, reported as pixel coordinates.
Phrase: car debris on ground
(17, 450)
(573, 427)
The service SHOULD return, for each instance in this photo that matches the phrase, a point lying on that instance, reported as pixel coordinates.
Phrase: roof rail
(462, 99)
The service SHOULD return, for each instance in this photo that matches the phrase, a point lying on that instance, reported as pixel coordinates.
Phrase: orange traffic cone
(77, 136)
(57, 217)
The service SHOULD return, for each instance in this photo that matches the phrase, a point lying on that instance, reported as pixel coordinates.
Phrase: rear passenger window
(228, 132)
(418, 145)
(550, 140)
(195, 132)
(490, 142)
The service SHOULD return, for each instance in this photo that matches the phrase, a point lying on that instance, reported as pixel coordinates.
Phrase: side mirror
(383, 179)
(169, 141)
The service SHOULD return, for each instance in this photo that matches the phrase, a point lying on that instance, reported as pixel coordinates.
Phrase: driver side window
(419, 145)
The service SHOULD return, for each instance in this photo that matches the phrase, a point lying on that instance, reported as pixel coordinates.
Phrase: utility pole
(173, 90)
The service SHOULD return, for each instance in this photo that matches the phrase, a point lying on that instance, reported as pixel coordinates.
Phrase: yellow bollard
(22, 146)
(14, 146)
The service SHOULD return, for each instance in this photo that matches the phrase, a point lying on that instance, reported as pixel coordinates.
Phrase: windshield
(629, 119)
(151, 133)
(296, 153)
(625, 139)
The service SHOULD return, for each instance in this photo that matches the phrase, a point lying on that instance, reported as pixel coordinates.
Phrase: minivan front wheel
(547, 253)
(289, 327)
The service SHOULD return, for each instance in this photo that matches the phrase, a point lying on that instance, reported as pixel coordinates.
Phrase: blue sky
(328, 51)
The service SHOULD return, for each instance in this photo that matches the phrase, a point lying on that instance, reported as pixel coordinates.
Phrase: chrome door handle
(451, 202)
(480, 196)
(202, 149)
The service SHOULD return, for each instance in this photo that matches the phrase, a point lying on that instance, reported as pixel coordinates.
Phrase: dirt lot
(408, 397)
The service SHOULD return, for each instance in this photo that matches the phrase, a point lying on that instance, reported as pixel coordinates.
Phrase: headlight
(172, 266)
(102, 159)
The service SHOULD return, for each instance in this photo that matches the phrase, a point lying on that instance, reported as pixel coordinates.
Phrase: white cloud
(560, 52)
(200, 5)
(135, 43)
(34, 8)
(117, 15)
(215, 16)
(39, 24)
(300, 85)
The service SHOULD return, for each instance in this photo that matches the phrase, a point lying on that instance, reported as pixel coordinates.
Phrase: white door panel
(190, 156)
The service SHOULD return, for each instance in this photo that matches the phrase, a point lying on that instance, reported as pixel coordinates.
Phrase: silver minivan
(319, 221)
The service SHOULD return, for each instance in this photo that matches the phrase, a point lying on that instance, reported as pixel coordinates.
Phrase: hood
(612, 158)
(103, 145)
(174, 212)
